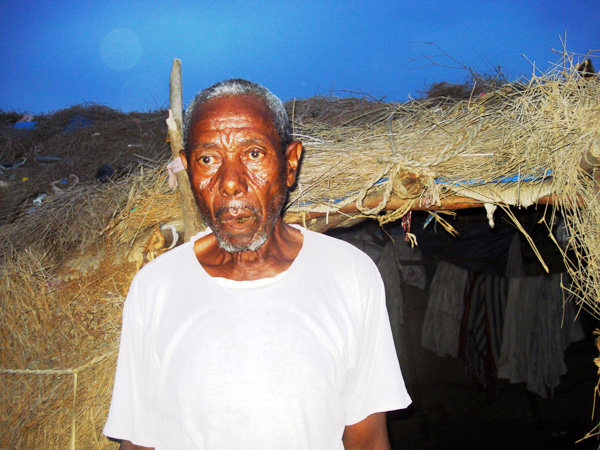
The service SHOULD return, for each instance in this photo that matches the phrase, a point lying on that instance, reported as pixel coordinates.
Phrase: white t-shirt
(278, 363)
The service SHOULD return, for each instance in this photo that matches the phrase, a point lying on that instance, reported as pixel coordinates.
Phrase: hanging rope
(74, 372)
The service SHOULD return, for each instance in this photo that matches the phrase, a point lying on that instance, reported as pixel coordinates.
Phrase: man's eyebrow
(205, 145)
(255, 141)
(245, 141)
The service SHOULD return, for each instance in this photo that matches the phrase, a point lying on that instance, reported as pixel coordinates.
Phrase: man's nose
(233, 182)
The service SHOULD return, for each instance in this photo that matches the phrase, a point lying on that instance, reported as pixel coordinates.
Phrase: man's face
(238, 172)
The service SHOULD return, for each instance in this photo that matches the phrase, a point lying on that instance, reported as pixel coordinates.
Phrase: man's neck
(275, 256)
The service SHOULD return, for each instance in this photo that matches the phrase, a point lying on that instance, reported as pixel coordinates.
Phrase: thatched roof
(66, 263)
(515, 145)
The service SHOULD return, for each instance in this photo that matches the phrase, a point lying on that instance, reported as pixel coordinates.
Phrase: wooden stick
(192, 222)
(320, 222)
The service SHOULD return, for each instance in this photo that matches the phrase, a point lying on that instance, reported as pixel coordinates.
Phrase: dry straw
(65, 265)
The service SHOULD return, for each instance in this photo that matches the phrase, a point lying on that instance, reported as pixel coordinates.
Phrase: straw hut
(72, 236)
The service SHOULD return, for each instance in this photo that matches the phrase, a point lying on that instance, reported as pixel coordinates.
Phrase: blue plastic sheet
(78, 121)
(25, 125)
(540, 175)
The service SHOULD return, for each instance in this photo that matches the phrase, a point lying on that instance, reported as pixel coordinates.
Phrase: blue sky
(55, 54)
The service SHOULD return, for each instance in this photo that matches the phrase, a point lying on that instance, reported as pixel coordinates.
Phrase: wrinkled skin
(240, 177)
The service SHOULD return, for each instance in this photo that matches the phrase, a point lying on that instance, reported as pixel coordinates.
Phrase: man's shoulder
(334, 250)
(335, 262)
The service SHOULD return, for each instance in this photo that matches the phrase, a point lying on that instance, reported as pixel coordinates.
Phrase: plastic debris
(26, 122)
(78, 121)
(64, 184)
(26, 118)
(39, 199)
(175, 235)
(173, 167)
(25, 125)
(490, 210)
(104, 173)
(47, 159)
(12, 164)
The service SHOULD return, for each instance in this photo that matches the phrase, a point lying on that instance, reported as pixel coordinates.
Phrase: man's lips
(236, 219)
(239, 225)
(236, 214)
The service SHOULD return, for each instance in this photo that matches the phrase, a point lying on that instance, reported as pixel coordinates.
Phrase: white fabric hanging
(536, 332)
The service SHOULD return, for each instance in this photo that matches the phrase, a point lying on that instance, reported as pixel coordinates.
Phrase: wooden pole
(192, 223)
(321, 222)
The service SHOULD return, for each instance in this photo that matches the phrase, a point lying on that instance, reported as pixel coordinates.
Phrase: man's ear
(184, 159)
(293, 153)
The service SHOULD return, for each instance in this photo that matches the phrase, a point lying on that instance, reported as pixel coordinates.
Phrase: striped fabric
(481, 329)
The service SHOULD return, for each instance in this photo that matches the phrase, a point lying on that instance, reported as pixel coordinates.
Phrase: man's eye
(255, 154)
(206, 159)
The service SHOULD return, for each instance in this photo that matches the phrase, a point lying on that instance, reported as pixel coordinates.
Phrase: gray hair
(238, 86)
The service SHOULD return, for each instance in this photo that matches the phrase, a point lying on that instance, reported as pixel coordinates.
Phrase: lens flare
(121, 49)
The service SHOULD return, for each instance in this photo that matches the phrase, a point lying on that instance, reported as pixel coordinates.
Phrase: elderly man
(256, 334)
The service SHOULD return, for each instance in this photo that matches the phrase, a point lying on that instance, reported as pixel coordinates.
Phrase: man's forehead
(238, 111)
(242, 135)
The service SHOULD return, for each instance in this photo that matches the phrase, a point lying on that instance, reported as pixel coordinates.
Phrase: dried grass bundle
(542, 128)
(57, 362)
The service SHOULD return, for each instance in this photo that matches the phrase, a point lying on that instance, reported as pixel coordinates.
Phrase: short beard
(259, 240)
(256, 243)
